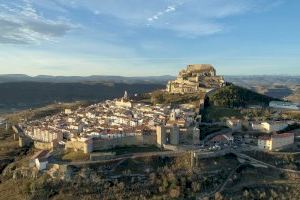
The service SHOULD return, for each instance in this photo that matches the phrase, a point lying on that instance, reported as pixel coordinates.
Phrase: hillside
(22, 95)
(234, 96)
(162, 97)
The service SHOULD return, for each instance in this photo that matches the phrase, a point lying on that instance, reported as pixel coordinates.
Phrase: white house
(68, 111)
(256, 126)
(41, 163)
(71, 120)
(133, 123)
(40, 159)
(275, 126)
(276, 141)
(234, 124)
(269, 127)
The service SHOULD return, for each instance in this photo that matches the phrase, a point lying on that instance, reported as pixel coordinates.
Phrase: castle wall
(77, 145)
(97, 144)
(43, 145)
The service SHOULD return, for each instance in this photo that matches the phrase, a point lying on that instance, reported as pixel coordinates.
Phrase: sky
(149, 37)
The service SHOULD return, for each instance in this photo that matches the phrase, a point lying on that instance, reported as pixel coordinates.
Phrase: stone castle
(195, 78)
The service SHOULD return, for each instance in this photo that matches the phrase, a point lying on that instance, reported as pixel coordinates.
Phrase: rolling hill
(22, 95)
(233, 96)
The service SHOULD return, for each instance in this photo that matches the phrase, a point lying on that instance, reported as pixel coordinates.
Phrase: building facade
(276, 141)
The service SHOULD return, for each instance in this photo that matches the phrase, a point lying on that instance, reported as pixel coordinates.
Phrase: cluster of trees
(161, 97)
(165, 183)
(282, 160)
(205, 130)
(234, 96)
(173, 181)
(257, 114)
(267, 193)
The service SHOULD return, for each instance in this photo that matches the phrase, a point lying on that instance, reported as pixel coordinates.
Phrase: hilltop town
(108, 124)
(217, 136)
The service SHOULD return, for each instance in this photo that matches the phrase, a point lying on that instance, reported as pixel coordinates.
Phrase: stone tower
(174, 135)
(125, 97)
(173, 116)
(196, 136)
(161, 135)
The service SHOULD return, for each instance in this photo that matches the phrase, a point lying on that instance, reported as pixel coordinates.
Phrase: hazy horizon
(163, 75)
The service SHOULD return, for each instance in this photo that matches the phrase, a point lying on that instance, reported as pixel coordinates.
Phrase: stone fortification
(195, 78)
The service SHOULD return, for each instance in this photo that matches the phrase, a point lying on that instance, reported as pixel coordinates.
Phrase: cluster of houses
(105, 121)
(272, 140)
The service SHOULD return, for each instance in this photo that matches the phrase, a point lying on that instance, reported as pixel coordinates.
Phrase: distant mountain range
(264, 80)
(239, 80)
(75, 79)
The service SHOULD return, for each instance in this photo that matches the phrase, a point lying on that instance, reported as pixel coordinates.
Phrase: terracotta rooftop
(283, 135)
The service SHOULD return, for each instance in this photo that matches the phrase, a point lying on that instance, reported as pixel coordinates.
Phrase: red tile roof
(283, 135)
(219, 138)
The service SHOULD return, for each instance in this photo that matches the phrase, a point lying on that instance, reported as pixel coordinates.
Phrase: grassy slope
(235, 96)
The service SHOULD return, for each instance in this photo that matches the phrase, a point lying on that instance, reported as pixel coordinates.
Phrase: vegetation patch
(75, 156)
(132, 149)
(233, 96)
(217, 113)
(162, 97)
(206, 130)
(278, 159)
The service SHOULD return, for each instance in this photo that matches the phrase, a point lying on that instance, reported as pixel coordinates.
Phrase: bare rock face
(196, 78)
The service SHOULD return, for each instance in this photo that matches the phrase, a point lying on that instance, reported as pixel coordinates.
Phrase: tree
(196, 186)
(246, 194)
(174, 192)
(157, 97)
(218, 196)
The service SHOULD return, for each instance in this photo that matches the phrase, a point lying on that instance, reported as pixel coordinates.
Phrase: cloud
(21, 23)
(161, 13)
(191, 18)
(25, 21)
